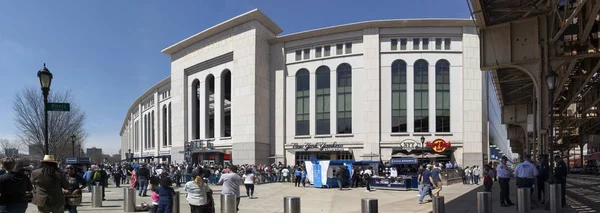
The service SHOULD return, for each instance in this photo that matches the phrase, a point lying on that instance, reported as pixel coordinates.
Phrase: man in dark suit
(50, 186)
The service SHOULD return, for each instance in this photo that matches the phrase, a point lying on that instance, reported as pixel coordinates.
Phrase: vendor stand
(401, 174)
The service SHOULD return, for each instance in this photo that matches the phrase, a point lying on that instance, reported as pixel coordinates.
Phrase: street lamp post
(423, 148)
(79, 150)
(551, 81)
(45, 80)
(73, 144)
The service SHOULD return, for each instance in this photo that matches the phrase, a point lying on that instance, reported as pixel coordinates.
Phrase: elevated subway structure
(521, 42)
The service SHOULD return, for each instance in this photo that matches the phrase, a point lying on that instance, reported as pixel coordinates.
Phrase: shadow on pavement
(466, 202)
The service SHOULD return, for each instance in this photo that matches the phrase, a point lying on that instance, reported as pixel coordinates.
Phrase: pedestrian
(543, 174)
(303, 178)
(87, 176)
(367, 174)
(155, 198)
(50, 185)
(142, 177)
(488, 178)
(476, 174)
(285, 172)
(503, 173)
(436, 176)
(426, 181)
(468, 176)
(199, 194)
(249, 179)
(420, 177)
(15, 185)
(117, 177)
(561, 177)
(231, 184)
(165, 195)
(76, 185)
(298, 174)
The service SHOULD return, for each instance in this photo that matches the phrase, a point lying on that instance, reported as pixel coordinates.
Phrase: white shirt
(503, 171)
(285, 172)
(249, 178)
(526, 170)
(368, 171)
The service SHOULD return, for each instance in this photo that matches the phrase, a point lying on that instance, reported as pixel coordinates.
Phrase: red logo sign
(439, 145)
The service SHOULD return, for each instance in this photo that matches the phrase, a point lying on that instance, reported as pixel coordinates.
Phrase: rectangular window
(298, 55)
(306, 54)
(348, 48)
(339, 49)
(318, 52)
(438, 43)
(403, 43)
(327, 50)
(394, 44)
(425, 43)
(416, 42)
(447, 43)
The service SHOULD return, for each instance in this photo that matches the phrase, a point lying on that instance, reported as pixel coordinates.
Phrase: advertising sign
(409, 145)
(439, 145)
(320, 146)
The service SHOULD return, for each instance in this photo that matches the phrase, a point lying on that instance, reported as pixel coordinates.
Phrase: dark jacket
(165, 195)
(48, 190)
(13, 188)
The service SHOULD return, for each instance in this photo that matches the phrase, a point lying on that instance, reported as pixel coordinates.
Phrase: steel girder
(579, 84)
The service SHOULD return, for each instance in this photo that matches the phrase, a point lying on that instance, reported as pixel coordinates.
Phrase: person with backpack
(100, 178)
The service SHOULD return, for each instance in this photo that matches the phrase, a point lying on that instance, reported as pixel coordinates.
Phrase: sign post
(58, 107)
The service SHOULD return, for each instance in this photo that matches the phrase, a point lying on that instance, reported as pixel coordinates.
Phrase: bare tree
(28, 107)
(6, 145)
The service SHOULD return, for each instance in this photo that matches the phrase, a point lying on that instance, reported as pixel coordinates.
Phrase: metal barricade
(228, 203)
(484, 202)
(369, 205)
(97, 196)
(291, 204)
(555, 198)
(524, 200)
(438, 204)
(128, 200)
(176, 207)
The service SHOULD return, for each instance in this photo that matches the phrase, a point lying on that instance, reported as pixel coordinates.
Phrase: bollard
(524, 200)
(484, 202)
(129, 200)
(291, 204)
(369, 205)
(228, 203)
(97, 196)
(438, 204)
(176, 202)
(555, 196)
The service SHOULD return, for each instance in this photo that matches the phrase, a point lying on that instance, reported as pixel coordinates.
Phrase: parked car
(576, 170)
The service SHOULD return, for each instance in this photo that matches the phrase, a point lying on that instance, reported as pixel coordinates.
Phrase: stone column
(371, 96)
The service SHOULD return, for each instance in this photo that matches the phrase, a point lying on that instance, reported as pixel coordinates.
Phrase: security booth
(399, 174)
(203, 152)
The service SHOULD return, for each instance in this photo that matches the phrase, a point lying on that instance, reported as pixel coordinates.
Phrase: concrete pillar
(370, 95)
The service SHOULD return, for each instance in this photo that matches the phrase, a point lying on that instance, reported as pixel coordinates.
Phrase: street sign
(58, 107)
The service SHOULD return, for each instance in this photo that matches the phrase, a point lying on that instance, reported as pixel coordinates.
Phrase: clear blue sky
(108, 52)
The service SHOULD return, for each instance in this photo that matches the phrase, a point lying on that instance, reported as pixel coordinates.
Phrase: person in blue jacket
(165, 193)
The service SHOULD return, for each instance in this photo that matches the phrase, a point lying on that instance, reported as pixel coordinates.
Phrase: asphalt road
(582, 193)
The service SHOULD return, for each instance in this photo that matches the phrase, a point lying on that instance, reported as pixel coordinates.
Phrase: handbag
(73, 200)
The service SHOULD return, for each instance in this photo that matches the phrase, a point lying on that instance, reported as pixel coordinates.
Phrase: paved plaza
(269, 199)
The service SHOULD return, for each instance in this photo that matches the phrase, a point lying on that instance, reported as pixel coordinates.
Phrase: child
(165, 192)
(155, 198)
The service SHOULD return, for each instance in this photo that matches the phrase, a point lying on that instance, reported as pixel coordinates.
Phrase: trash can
(129, 200)
(97, 196)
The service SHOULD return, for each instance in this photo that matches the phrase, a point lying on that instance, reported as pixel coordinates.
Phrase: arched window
(170, 135)
(322, 99)
(164, 126)
(226, 103)
(210, 106)
(344, 99)
(145, 131)
(302, 102)
(153, 139)
(399, 104)
(421, 96)
(442, 96)
(195, 111)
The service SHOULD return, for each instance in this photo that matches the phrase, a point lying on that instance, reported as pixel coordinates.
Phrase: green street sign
(58, 107)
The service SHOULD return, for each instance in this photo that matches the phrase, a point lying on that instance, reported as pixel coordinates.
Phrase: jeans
(14, 208)
(468, 179)
(303, 182)
(142, 186)
(476, 179)
(426, 190)
(420, 189)
(71, 209)
(89, 186)
(297, 181)
(165, 208)
(249, 189)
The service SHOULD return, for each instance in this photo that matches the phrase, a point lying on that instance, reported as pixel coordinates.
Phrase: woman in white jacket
(199, 195)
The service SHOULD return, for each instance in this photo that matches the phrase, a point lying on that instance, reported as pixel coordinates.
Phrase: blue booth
(397, 181)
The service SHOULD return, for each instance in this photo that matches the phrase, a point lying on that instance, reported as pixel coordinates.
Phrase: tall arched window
(153, 139)
(210, 106)
(399, 104)
(442, 96)
(170, 134)
(164, 126)
(226, 103)
(136, 131)
(344, 98)
(195, 96)
(302, 102)
(322, 99)
(145, 131)
(421, 96)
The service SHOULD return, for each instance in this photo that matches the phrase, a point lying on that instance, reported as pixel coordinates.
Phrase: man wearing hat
(560, 175)
(50, 186)
(543, 171)
(503, 173)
